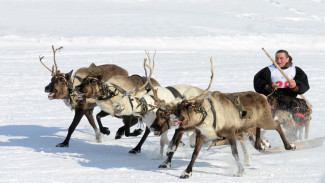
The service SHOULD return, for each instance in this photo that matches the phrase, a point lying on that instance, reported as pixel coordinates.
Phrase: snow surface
(185, 34)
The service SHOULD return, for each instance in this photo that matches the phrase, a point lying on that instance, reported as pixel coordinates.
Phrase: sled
(301, 145)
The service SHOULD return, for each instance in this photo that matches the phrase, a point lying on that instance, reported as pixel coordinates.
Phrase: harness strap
(119, 89)
(143, 104)
(130, 100)
(203, 111)
(214, 115)
(79, 78)
(243, 113)
(174, 92)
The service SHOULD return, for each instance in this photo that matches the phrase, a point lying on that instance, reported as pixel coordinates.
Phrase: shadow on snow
(44, 139)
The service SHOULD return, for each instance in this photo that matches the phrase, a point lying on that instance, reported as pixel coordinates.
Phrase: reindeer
(106, 93)
(142, 104)
(213, 114)
(62, 87)
(292, 120)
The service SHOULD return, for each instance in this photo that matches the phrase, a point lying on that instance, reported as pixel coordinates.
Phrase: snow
(185, 34)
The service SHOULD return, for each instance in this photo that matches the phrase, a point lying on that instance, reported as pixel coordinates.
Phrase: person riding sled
(281, 93)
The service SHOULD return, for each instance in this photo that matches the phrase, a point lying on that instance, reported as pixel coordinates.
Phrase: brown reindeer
(213, 114)
(62, 87)
(111, 91)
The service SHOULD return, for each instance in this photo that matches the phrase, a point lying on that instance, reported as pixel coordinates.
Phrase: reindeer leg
(120, 132)
(199, 141)
(173, 144)
(102, 129)
(130, 121)
(137, 149)
(245, 151)
(258, 140)
(90, 117)
(286, 143)
(192, 139)
(163, 141)
(79, 113)
(232, 142)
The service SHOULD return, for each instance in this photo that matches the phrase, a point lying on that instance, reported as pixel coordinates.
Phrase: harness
(204, 113)
(214, 115)
(141, 102)
(243, 114)
(174, 92)
(69, 85)
(108, 94)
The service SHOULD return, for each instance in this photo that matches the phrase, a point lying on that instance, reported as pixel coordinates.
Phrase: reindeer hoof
(291, 147)
(247, 161)
(63, 145)
(138, 132)
(239, 174)
(186, 175)
(266, 143)
(105, 131)
(165, 165)
(98, 137)
(135, 151)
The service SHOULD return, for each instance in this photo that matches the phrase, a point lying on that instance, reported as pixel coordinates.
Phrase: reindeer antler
(40, 59)
(151, 68)
(207, 90)
(54, 51)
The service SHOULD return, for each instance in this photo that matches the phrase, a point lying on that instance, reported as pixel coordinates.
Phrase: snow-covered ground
(185, 34)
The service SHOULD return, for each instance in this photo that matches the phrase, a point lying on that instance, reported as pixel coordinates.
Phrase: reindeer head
(166, 115)
(91, 86)
(131, 102)
(60, 86)
(180, 113)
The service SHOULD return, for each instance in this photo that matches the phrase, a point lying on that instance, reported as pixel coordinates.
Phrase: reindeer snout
(117, 109)
(116, 106)
(77, 89)
(48, 89)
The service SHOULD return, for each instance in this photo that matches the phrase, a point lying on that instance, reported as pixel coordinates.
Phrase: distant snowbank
(207, 43)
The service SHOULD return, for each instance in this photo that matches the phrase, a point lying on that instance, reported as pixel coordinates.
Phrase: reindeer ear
(68, 75)
(94, 69)
(92, 65)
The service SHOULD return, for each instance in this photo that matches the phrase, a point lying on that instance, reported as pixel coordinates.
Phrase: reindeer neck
(207, 110)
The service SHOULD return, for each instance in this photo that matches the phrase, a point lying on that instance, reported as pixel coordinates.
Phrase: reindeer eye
(163, 114)
(93, 82)
(61, 80)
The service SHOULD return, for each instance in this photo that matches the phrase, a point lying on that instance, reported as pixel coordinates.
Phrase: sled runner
(301, 145)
